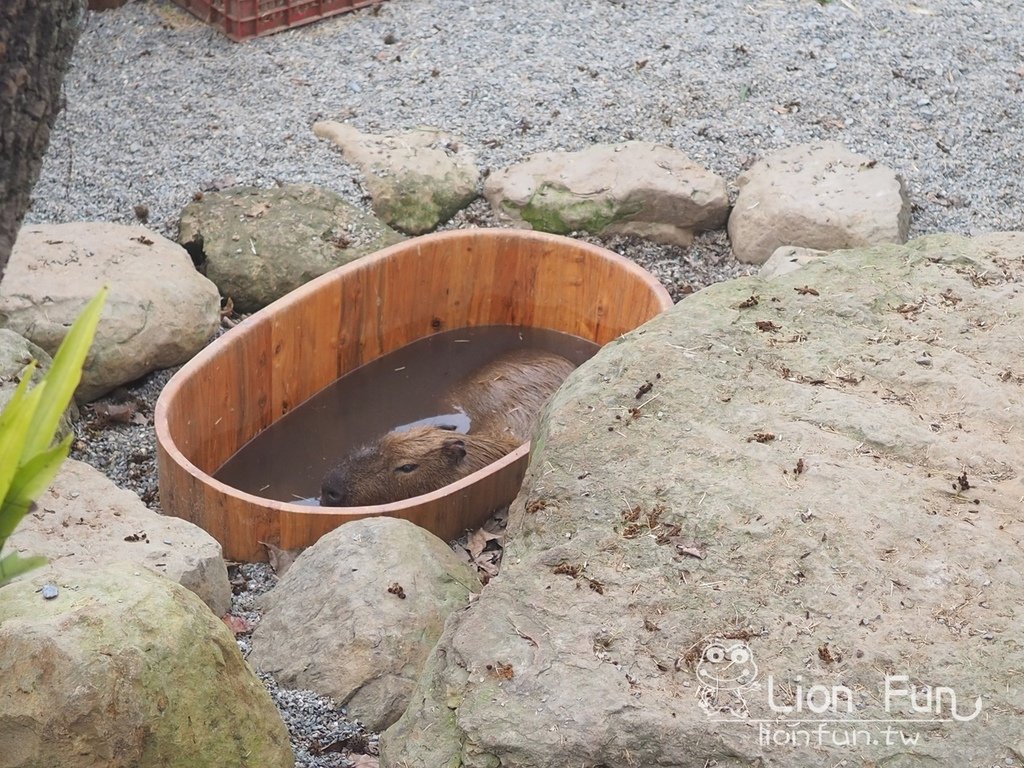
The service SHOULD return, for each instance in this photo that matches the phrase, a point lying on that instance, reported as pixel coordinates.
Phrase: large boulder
(84, 520)
(357, 613)
(159, 311)
(768, 505)
(15, 353)
(820, 196)
(633, 188)
(788, 259)
(417, 179)
(259, 244)
(126, 669)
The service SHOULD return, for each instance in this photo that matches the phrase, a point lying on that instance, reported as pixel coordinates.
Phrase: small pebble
(49, 591)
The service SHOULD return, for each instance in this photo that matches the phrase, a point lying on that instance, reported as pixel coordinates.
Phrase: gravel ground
(160, 106)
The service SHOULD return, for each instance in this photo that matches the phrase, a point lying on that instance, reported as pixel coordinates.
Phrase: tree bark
(36, 40)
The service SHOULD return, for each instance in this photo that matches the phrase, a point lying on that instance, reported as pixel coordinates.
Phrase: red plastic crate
(245, 19)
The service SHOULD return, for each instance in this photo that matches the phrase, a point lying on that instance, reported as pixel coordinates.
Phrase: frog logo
(725, 669)
(727, 666)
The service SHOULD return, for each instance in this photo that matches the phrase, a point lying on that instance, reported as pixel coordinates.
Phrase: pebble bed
(161, 106)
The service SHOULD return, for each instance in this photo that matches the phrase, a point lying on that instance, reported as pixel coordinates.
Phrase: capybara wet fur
(405, 464)
(502, 400)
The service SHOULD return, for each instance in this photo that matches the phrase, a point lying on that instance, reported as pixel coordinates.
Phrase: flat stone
(159, 312)
(357, 613)
(416, 179)
(820, 196)
(84, 520)
(633, 188)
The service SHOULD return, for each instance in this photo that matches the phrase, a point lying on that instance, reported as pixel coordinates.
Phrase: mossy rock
(126, 669)
(256, 245)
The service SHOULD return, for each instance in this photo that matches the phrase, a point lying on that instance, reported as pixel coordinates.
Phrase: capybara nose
(330, 497)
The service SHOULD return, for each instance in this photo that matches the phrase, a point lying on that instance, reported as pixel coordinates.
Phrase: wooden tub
(273, 361)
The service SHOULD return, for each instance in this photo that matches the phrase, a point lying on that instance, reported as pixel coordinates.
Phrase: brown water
(288, 460)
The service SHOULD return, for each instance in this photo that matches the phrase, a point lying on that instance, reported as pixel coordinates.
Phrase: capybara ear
(455, 450)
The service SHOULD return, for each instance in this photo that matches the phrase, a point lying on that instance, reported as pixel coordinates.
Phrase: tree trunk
(36, 39)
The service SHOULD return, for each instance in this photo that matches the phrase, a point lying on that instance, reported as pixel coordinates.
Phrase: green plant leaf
(24, 378)
(28, 461)
(33, 477)
(14, 423)
(16, 436)
(63, 377)
(15, 565)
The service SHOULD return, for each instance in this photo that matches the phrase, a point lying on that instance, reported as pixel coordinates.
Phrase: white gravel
(160, 106)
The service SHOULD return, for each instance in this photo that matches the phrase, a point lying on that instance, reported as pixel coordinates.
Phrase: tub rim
(167, 396)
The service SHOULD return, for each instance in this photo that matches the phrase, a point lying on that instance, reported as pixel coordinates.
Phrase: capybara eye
(407, 468)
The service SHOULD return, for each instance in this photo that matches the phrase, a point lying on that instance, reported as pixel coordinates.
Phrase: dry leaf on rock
(110, 413)
(487, 569)
(256, 211)
(236, 624)
(478, 540)
(693, 550)
(484, 547)
(280, 559)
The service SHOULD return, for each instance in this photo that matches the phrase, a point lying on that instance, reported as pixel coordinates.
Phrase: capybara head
(408, 463)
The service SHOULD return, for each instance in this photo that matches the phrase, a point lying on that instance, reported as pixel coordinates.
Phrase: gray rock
(85, 520)
(787, 259)
(633, 188)
(259, 244)
(159, 311)
(795, 505)
(15, 353)
(128, 670)
(337, 622)
(820, 196)
(416, 179)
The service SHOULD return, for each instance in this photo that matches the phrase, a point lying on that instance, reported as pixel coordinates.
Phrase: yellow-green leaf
(14, 565)
(33, 477)
(14, 437)
(14, 421)
(63, 377)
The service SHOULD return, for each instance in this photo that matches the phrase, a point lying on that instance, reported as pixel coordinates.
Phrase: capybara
(405, 464)
(502, 400)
